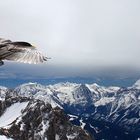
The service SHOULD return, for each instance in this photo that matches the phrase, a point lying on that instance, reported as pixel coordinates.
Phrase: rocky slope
(25, 118)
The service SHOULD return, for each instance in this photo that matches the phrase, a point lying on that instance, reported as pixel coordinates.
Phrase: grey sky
(81, 35)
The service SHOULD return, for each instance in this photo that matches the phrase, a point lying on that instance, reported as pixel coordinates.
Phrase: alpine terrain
(26, 118)
(107, 113)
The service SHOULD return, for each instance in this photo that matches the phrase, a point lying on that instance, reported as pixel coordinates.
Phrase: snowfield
(5, 138)
(12, 113)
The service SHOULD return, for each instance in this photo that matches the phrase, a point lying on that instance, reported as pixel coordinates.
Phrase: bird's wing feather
(26, 55)
(3, 41)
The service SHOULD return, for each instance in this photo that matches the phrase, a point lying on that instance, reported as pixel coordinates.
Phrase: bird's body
(20, 52)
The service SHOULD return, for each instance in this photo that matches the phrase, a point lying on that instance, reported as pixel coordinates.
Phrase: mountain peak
(136, 84)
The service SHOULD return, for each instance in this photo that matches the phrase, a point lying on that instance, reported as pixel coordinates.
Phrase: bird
(20, 51)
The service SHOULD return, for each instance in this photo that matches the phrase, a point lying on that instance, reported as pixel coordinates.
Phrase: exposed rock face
(35, 120)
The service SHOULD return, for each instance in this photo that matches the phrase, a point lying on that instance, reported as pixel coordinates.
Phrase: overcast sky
(79, 35)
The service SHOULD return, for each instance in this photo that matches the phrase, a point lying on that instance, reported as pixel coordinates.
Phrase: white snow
(57, 137)
(93, 87)
(45, 127)
(104, 101)
(22, 127)
(82, 124)
(95, 129)
(72, 117)
(5, 138)
(112, 89)
(11, 113)
(101, 89)
(71, 136)
(65, 92)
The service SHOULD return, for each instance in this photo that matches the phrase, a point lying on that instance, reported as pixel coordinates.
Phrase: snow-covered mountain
(62, 94)
(25, 118)
(106, 112)
(137, 84)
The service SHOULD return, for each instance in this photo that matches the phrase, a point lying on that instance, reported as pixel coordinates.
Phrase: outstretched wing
(24, 54)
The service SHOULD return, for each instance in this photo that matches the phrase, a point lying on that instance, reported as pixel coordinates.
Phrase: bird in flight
(20, 52)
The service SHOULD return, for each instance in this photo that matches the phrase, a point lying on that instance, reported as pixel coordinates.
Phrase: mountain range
(109, 113)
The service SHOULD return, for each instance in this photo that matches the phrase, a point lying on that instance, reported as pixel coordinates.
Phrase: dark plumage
(26, 44)
(19, 51)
